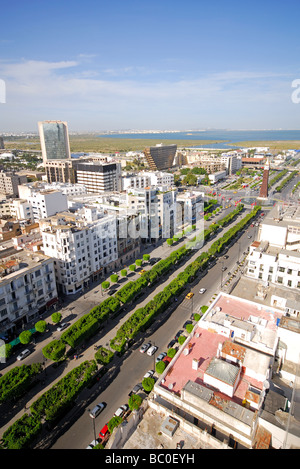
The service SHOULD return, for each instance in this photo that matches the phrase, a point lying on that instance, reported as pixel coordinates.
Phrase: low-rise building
(219, 380)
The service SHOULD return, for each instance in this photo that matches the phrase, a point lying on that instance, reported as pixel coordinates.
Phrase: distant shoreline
(88, 144)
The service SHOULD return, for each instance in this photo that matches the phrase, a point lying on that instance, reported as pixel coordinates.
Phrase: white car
(121, 410)
(145, 347)
(202, 290)
(97, 410)
(23, 354)
(149, 374)
(92, 444)
(62, 326)
(152, 350)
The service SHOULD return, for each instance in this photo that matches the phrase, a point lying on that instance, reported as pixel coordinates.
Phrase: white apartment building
(47, 203)
(135, 181)
(270, 264)
(83, 245)
(145, 179)
(66, 188)
(27, 288)
(157, 210)
(281, 227)
(189, 208)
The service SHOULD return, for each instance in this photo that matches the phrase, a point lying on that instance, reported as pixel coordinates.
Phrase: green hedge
(17, 380)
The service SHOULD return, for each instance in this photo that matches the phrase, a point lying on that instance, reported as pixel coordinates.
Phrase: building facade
(83, 249)
(160, 157)
(27, 288)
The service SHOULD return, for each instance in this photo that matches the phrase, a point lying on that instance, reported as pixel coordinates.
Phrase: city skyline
(149, 66)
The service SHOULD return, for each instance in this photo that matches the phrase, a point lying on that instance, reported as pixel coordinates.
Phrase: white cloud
(74, 90)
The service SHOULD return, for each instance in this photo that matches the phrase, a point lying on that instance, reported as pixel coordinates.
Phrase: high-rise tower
(54, 140)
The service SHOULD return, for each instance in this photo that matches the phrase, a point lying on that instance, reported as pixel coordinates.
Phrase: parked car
(145, 347)
(104, 432)
(136, 389)
(202, 290)
(170, 344)
(151, 351)
(62, 326)
(24, 354)
(121, 410)
(160, 357)
(97, 410)
(92, 444)
(149, 374)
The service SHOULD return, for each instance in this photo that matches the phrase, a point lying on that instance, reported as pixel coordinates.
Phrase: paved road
(125, 372)
(130, 371)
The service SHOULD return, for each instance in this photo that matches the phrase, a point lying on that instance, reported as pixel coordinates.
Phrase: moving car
(145, 347)
(97, 410)
(224, 268)
(24, 354)
(190, 295)
(121, 410)
(160, 357)
(202, 290)
(152, 350)
(141, 272)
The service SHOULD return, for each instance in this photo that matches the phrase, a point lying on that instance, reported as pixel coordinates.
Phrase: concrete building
(27, 288)
(47, 203)
(98, 177)
(61, 171)
(54, 140)
(219, 381)
(156, 209)
(83, 246)
(9, 183)
(218, 176)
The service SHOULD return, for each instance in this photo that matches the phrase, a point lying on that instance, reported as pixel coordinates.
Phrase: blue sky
(150, 65)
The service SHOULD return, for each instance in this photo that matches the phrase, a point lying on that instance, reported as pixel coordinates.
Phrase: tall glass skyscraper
(54, 140)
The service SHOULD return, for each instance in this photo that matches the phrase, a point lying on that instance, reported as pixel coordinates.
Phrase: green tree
(146, 257)
(56, 317)
(135, 402)
(123, 272)
(105, 285)
(132, 267)
(160, 367)
(139, 262)
(148, 384)
(40, 326)
(25, 337)
(114, 278)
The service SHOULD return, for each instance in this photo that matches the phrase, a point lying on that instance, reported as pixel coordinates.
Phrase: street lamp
(94, 426)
